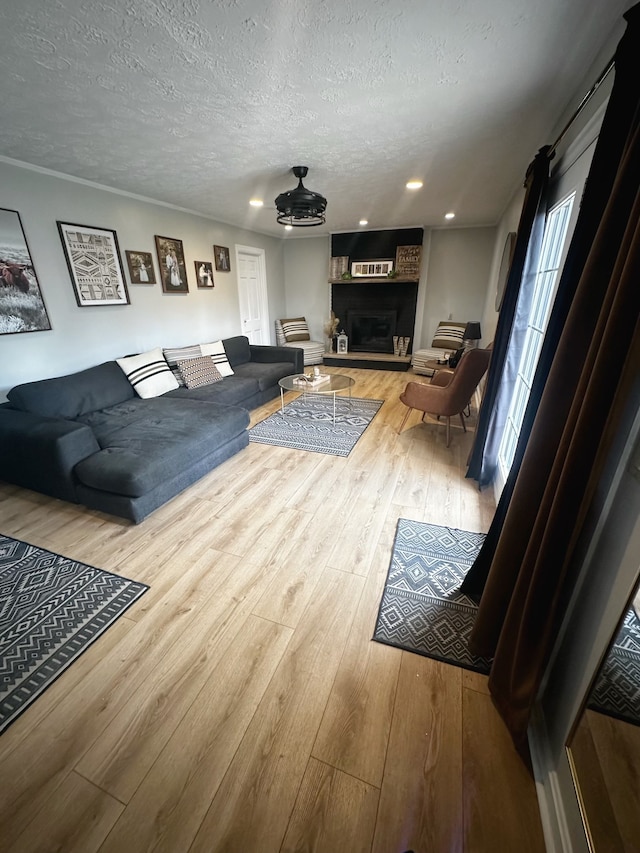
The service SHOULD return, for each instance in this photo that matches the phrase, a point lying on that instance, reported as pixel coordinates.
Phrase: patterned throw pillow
(218, 355)
(448, 335)
(198, 371)
(295, 329)
(149, 373)
(175, 354)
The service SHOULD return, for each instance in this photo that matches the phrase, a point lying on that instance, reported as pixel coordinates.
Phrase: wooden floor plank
(334, 812)
(253, 805)
(129, 745)
(82, 819)
(421, 798)
(172, 800)
(499, 792)
(361, 701)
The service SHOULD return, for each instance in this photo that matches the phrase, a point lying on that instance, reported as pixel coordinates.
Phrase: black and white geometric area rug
(51, 610)
(422, 609)
(308, 424)
(616, 691)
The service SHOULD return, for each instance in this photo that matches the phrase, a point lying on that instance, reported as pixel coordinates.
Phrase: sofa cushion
(233, 391)
(198, 371)
(237, 349)
(148, 373)
(265, 373)
(144, 443)
(295, 329)
(174, 354)
(75, 394)
(218, 355)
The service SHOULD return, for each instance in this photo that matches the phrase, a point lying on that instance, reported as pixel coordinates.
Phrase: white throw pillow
(149, 373)
(219, 356)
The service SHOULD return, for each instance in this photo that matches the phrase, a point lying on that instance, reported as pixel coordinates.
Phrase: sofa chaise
(90, 438)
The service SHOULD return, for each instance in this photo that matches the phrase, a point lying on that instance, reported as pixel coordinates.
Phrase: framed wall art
(141, 269)
(371, 268)
(204, 274)
(22, 307)
(173, 269)
(93, 258)
(221, 255)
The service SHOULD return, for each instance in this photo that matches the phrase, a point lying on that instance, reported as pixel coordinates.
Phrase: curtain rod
(583, 103)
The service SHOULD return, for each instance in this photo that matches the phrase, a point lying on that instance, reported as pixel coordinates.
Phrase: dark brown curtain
(589, 381)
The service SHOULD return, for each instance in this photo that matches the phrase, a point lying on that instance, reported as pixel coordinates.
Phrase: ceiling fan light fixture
(300, 207)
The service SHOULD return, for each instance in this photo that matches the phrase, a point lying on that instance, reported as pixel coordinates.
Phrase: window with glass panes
(544, 293)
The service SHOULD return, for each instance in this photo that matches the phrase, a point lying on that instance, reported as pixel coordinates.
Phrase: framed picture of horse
(22, 307)
(93, 258)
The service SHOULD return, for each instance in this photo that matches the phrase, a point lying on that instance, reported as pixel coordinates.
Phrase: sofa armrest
(40, 453)
(269, 353)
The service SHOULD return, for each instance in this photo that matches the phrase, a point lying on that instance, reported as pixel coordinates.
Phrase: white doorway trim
(264, 331)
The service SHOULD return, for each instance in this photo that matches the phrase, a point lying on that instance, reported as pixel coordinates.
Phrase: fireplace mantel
(378, 279)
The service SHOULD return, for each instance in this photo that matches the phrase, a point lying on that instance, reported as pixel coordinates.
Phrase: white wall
(306, 273)
(458, 269)
(82, 337)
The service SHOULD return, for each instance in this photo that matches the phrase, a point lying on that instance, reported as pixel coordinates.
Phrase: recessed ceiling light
(414, 185)
(288, 227)
(256, 202)
(450, 215)
(363, 222)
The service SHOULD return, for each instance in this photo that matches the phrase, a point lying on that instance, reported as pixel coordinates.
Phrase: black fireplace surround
(371, 313)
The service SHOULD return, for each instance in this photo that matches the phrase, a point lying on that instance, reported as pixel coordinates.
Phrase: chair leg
(464, 426)
(404, 420)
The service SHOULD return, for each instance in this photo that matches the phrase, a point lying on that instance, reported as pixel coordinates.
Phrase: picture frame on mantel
(371, 269)
(408, 260)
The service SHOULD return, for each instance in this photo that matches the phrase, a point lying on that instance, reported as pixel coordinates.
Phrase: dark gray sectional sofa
(88, 438)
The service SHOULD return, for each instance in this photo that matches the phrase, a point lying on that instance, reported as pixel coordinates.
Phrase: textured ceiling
(206, 103)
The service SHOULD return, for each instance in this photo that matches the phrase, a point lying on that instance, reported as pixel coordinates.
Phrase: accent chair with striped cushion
(295, 333)
(447, 339)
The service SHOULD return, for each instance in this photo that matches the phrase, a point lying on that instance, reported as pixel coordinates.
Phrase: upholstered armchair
(449, 392)
(295, 333)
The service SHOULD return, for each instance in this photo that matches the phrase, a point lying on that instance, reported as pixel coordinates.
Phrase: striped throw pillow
(175, 354)
(149, 373)
(295, 329)
(198, 371)
(448, 335)
(218, 355)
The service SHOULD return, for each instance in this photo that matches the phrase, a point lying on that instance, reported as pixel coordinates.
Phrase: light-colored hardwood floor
(241, 704)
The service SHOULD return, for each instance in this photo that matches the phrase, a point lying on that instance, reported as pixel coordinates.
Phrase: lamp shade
(472, 331)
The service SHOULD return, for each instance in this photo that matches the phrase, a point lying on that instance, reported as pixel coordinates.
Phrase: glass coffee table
(334, 383)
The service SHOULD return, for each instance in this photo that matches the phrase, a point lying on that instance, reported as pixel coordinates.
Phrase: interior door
(252, 293)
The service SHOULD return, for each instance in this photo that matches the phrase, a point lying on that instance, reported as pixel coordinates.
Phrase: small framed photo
(22, 307)
(371, 268)
(204, 274)
(173, 270)
(221, 255)
(93, 258)
(141, 269)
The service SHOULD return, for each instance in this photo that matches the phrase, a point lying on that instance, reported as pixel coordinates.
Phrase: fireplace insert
(371, 331)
